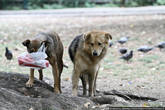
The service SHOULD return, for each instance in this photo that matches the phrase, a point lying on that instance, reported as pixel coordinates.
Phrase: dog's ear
(108, 36)
(26, 42)
(87, 36)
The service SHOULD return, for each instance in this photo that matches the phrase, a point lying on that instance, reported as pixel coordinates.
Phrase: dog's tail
(65, 66)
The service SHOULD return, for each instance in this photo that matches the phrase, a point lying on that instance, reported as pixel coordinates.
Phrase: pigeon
(144, 49)
(123, 40)
(161, 45)
(123, 50)
(110, 44)
(128, 56)
(8, 54)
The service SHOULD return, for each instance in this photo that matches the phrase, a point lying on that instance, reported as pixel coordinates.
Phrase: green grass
(149, 59)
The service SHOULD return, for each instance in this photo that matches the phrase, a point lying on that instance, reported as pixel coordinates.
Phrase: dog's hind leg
(84, 83)
(75, 80)
(60, 66)
(40, 74)
(56, 76)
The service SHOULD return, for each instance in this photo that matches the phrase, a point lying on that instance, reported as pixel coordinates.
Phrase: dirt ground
(144, 75)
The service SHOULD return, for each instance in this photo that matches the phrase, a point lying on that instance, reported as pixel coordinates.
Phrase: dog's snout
(95, 53)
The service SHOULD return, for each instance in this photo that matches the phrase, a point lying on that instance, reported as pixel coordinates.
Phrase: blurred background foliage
(57, 4)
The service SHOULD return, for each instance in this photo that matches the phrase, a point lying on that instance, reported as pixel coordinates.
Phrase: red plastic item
(27, 60)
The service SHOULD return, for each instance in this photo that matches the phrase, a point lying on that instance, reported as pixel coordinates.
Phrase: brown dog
(54, 51)
(86, 52)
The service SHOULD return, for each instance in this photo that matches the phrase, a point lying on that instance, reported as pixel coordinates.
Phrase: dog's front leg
(75, 80)
(91, 80)
(29, 83)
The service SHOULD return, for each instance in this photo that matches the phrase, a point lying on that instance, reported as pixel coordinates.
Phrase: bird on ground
(123, 40)
(8, 54)
(110, 44)
(161, 45)
(123, 50)
(145, 49)
(128, 56)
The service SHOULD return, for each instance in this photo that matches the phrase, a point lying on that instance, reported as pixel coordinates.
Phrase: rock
(15, 96)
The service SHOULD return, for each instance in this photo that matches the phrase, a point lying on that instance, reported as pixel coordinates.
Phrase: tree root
(127, 96)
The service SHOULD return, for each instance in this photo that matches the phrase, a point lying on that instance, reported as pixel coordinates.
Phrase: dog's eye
(99, 43)
(92, 44)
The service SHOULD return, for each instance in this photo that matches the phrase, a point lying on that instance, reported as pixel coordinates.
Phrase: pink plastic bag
(35, 60)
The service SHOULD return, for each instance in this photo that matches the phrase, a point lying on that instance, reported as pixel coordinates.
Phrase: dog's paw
(74, 92)
(29, 84)
(91, 95)
(57, 91)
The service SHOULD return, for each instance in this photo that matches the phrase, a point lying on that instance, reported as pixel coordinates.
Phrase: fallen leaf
(145, 105)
